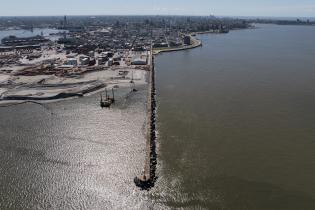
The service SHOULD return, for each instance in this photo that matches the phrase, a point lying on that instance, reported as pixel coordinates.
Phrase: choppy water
(74, 155)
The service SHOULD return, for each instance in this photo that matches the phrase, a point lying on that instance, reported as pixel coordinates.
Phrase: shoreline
(59, 88)
(196, 43)
(59, 96)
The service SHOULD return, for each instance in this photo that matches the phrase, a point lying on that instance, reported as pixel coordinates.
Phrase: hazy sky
(284, 8)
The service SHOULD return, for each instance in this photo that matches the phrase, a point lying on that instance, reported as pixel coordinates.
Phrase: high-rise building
(65, 21)
(187, 40)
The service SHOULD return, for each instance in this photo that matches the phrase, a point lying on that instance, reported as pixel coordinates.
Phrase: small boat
(105, 104)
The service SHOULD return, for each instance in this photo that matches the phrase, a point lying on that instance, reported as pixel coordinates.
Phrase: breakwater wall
(148, 178)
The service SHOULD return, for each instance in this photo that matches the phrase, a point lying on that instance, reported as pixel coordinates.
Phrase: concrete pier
(148, 178)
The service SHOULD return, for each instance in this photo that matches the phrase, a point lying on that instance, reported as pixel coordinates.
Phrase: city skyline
(267, 8)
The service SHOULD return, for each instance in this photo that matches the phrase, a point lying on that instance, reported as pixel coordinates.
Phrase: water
(236, 131)
(237, 121)
(28, 33)
(73, 154)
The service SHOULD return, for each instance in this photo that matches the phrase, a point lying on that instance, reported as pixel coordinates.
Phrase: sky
(266, 8)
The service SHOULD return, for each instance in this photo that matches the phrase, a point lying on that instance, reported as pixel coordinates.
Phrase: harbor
(38, 70)
(95, 114)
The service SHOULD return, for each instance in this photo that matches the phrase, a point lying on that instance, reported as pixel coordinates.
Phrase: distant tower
(65, 21)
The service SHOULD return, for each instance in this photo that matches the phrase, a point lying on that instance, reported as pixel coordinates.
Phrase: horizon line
(165, 15)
